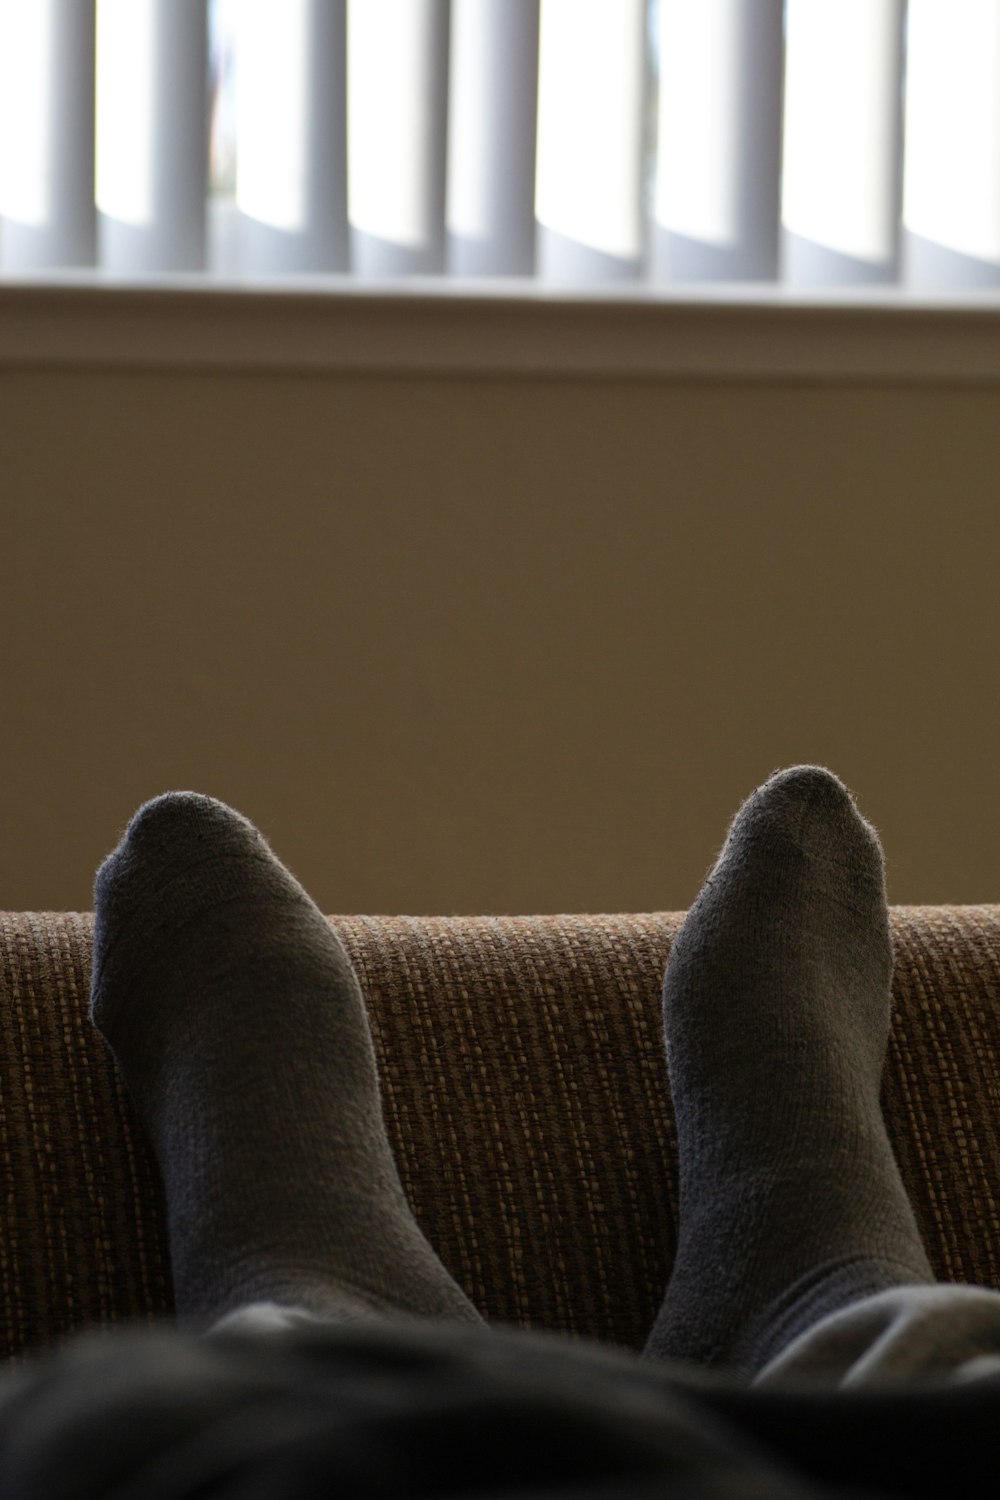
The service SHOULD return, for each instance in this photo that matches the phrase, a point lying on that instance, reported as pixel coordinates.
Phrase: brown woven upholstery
(524, 1085)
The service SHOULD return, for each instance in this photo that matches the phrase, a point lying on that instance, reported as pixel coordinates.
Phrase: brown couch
(525, 1090)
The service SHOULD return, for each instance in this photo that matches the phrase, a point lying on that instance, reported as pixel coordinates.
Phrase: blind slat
(493, 91)
(591, 92)
(152, 134)
(843, 141)
(719, 140)
(47, 133)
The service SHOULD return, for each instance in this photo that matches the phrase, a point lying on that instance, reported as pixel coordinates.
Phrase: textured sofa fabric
(525, 1091)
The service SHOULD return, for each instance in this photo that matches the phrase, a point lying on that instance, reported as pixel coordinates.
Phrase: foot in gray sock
(240, 1029)
(776, 1014)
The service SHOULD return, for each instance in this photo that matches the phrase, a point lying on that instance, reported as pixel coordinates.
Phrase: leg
(241, 1032)
(776, 1015)
(907, 1334)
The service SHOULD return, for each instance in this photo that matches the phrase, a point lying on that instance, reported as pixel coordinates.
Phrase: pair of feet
(242, 1035)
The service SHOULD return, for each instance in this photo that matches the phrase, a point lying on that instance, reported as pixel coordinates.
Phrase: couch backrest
(525, 1091)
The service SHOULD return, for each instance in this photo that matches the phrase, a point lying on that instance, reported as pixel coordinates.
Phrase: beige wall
(509, 646)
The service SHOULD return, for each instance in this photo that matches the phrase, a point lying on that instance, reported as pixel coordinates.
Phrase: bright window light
(841, 113)
(272, 111)
(699, 62)
(952, 184)
(590, 117)
(126, 73)
(223, 26)
(26, 111)
(389, 123)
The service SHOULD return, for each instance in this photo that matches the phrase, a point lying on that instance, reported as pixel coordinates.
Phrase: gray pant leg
(907, 1334)
(276, 1317)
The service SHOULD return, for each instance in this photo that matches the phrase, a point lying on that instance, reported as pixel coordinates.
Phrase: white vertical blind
(397, 132)
(581, 142)
(591, 87)
(47, 133)
(951, 205)
(719, 140)
(843, 144)
(291, 135)
(492, 109)
(152, 134)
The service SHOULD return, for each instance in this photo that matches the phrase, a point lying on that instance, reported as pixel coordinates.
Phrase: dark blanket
(407, 1409)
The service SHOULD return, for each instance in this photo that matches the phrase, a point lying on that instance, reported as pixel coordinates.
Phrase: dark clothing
(406, 1408)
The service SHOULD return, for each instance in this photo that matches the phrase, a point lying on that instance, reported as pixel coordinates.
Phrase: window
(574, 142)
(732, 188)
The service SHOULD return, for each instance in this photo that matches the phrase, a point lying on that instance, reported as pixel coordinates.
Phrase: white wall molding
(498, 329)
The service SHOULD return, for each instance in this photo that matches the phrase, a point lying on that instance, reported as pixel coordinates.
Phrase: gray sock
(776, 1014)
(241, 1032)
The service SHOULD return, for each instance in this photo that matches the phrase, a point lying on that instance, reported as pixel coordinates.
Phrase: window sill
(498, 329)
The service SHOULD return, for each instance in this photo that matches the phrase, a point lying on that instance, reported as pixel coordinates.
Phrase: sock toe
(169, 830)
(167, 840)
(811, 809)
(804, 799)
